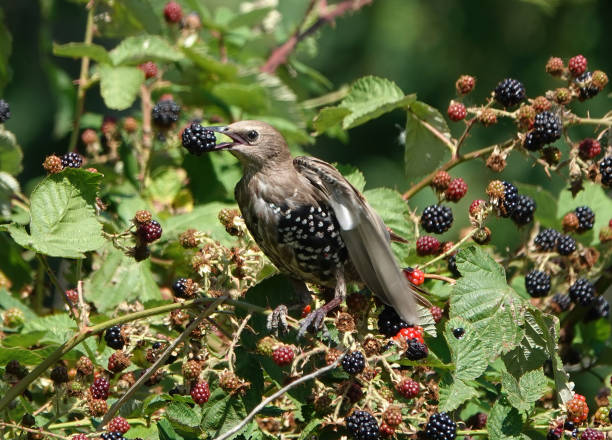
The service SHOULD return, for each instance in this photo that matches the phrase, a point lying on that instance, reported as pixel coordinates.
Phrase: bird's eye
(252, 135)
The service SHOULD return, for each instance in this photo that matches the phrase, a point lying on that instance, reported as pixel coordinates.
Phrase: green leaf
(250, 97)
(183, 417)
(546, 212)
(250, 18)
(138, 49)
(58, 327)
(454, 392)
(8, 187)
(8, 301)
(594, 196)
(310, 429)
(6, 43)
(198, 53)
(329, 117)
(10, 153)
(353, 175)
(80, 50)
(23, 355)
(119, 86)
(423, 150)
(166, 431)
(371, 96)
(504, 422)
(469, 355)
(144, 432)
(222, 413)
(63, 218)
(120, 278)
(524, 392)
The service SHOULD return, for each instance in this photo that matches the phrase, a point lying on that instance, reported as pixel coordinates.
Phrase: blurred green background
(422, 45)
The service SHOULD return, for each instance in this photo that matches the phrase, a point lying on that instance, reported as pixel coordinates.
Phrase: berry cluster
(504, 196)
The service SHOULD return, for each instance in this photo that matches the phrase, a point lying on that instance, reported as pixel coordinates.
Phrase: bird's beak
(225, 130)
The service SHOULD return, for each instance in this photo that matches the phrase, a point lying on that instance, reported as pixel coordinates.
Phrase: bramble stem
(451, 250)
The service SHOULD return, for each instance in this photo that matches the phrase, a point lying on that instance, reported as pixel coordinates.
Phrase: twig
(451, 250)
(160, 361)
(83, 81)
(82, 306)
(147, 133)
(35, 431)
(275, 396)
(230, 352)
(281, 54)
(88, 422)
(435, 276)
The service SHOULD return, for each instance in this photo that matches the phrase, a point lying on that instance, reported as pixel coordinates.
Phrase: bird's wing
(365, 236)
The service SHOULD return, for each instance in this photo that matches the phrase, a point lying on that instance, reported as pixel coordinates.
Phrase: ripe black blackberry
(362, 426)
(532, 141)
(582, 292)
(416, 350)
(547, 127)
(179, 287)
(165, 113)
(197, 140)
(440, 427)
(113, 337)
(586, 218)
(509, 92)
(566, 244)
(562, 301)
(354, 363)
(523, 213)
(510, 199)
(5, 111)
(72, 160)
(458, 332)
(605, 169)
(390, 323)
(537, 283)
(600, 308)
(437, 219)
(59, 374)
(113, 435)
(586, 89)
(546, 240)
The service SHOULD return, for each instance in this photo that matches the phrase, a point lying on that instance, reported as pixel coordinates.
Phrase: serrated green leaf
(353, 175)
(249, 97)
(329, 117)
(183, 416)
(80, 50)
(8, 301)
(119, 86)
(198, 53)
(371, 96)
(144, 432)
(23, 355)
(504, 422)
(454, 392)
(423, 150)
(524, 392)
(311, 428)
(63, 218)
(138, 49)
(594, 196)
(222, 413)
(470, 356)
(10, 153)
(58, 327)
(166, 431)
(121, 278)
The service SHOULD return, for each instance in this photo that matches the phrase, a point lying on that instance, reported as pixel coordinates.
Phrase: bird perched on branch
(310, 221)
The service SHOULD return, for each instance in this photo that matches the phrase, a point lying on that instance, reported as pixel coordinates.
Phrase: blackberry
(600, 308)
(592, 434)
(554, 434)
(416, 350)
(72, 160)
(509, 92)
(452, 266)
(59, 374)
(99, 388)
(362, 426)
(547, 127)
(113, 337)
(200, 393)
(150, 231)
(28, 420)
(427, 245)
(354, 363)
(179, 287)
(408, 388)
(510, 199)
(582, 292)
(546, 240)
(586, 218)
(458, 332)
(586, 89)
(440, 427)
(165, 113)
(437, 219)
(457, 188)
(537, 283)
(562, 301)
(197, 140)
(523, 213)
(173, 12)
(5, 111)
(390, 323)
(532, 141)
(112, 435)
(605, 168)
(566, 244)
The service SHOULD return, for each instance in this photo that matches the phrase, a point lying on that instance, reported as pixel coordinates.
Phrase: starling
(312, 223)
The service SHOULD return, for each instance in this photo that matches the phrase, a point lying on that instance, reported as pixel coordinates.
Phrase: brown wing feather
(365, 235)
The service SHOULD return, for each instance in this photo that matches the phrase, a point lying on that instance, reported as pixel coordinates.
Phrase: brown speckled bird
(312, 223)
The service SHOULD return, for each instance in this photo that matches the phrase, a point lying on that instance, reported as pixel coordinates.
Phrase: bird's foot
(278, 319)
(315, 318)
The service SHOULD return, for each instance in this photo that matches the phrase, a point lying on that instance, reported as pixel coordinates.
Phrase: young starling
(311, 222)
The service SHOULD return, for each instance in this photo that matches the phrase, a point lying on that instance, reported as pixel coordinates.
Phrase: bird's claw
(278, 319)
(314, 320)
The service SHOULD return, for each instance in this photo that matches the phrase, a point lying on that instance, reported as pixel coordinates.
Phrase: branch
(281, 54)
(159, 362)
(275, 396)
(34, 431)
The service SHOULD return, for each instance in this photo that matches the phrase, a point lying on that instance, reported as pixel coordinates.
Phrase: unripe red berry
(200, 393)
(441, 180)
(465, 84)
(415, 276)
(457, 188)
(149, 68)
(555, 66)
(476, 206)
(173, 12)
(436, 312)
(541, 104)
(89, 136)
(456, 111)
(283, 355)
(72, 295)
(118, 424)
(589, 148)
(487, 117)
(427, 245)
(408, 388)
(577, 65)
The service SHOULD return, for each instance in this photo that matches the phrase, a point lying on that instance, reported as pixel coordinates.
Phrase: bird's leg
(278, 318)
(316, 317)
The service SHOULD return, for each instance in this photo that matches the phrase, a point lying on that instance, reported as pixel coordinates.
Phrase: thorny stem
(35, 431)
(43, 260)
(147, 133)
(230, 352)
(451, 250)
(83, 81)
(87, 422)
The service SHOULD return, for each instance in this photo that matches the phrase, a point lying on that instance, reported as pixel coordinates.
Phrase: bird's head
(255, 143)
